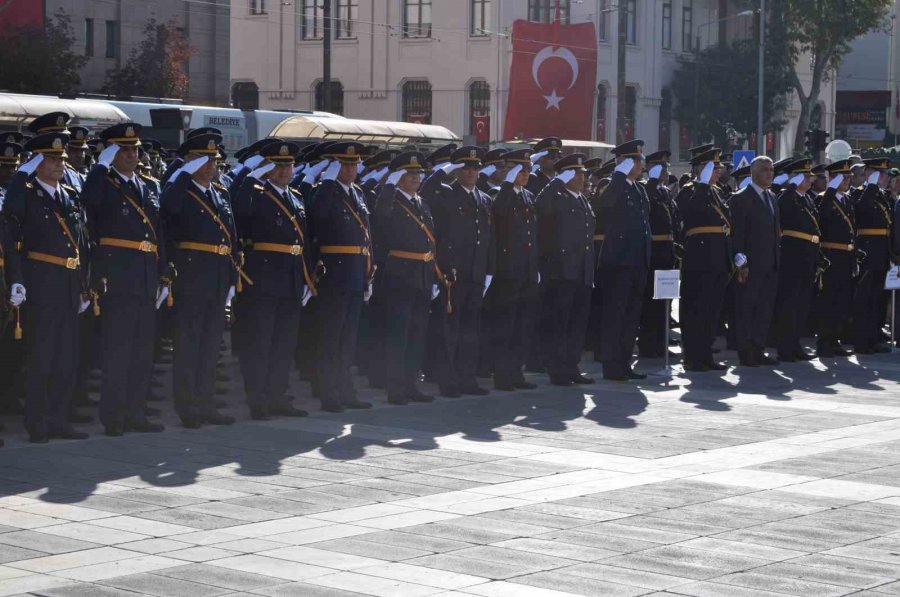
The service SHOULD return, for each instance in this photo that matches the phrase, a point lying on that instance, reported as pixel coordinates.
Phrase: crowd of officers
(459, 264)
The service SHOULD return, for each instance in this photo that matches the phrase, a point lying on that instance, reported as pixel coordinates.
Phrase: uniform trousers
(52, 336)
(270, 344)
(833, 303)
(406, 317)
(702, 293)
(867, 303)
(568, 304)
(654, 319)
(623, 295)
(512, 310)
(200, 322)
(793, 301)
(459, 335)
(338, 312)
(127, 334)
(754, 303)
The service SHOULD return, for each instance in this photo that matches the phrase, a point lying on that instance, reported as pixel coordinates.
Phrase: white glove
(230, 296)
(194, 165)
(359, 168)
(489, 170)
(536, 156)
(873, 177)
(836, 181)
(655, 171)
(332, 171)
(107, 156)
(797, 180)
(307, 294)
(565, 175)
(487, 284)
(535, 168)
(83, 306)
(707, 172)
(32, 164)
(367, 294)
(780, 179)
(316, 168)
(626, 166)
(296, 171)
(237, 170)
(162, 293)
(513, 173)
(395, 177)
(740, 260)
(450, 167)
(435, 291)
(261, 171)
(16, 295)
(254, 161)
(539, 277)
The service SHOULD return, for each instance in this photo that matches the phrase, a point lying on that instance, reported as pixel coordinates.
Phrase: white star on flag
(553, 100)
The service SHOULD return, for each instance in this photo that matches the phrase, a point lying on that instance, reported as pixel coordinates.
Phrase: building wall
(205, 24)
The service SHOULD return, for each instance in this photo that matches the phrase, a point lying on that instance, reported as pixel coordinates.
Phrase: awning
(566, 143)
(17, 110)
(366, 131)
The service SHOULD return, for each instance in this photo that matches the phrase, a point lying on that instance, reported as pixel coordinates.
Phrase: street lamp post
(760, 80)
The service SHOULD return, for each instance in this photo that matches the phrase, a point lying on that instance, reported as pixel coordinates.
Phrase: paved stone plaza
(759, 483)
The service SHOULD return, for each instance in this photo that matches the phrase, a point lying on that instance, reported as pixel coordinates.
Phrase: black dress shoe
(259, 413)
(825, 353)
(525, 385)
(786, 358)
(150, 411)
(766, 360)
(504, 387)
(76, 417)
(221, 403)
(398, 400)
(331, 407)
(695, 367)
(748, 363)
(191, 422)
(66, 433)
(881, 348)
(474, 390)
(38, 437)
(151, 397)
(420, 397)
(802, 355)
(217, 418)
(288, 410)
(223, 377)
(714, 366)
(144, 426)
(357, 404)
(582, 379)
(840, 351)
(561, 381)
(535, 369)
(221, 390)
(864, 350)
(378, 384)
(635, 375)
(449, 392)
(114, 431)
(615, 376)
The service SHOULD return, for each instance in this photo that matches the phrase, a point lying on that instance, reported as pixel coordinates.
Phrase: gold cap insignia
(60, 121)
(10, 139)
(10, 153)
(553, 143)
(211, 146)
(57, 143)
(351, 150)
(473, 153)
(129, 132)
(79, 135)
(414, 161)
(579, 161)
(283, 150)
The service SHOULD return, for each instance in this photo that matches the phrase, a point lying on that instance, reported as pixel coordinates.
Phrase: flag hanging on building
(552, 80)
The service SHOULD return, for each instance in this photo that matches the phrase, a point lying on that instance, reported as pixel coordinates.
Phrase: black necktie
(769, 202)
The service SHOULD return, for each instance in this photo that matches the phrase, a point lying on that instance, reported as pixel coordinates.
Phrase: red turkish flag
(552, 80)
(481, 128)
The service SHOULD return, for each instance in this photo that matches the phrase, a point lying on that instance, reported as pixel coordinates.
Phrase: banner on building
(18, 13)
(551, 80)
(481, 128)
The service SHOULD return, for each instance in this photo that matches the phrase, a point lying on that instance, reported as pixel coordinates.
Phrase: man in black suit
(755, 230)
(624, 261)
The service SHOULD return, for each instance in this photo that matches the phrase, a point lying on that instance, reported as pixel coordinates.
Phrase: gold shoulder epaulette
(68, 188)
(259, 187)
(29, 185)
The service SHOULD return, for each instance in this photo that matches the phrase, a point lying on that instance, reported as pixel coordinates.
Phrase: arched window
(337, 97)
(665, 120)
(629, 115)
(480, 111)
(417, 102)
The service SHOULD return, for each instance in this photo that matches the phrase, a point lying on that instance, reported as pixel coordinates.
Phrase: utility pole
(760, 133)
(326, 56)
(620, 74)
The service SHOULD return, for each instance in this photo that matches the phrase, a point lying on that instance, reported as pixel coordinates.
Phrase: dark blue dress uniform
(665, 230)
(567, 263)
(705, 269)
(800, 262)
(465, 254)
(205, 250)
(50, 228)
(128, 262)
(513, 290)
(273, 220)
(624, 263)
(594, 332)
(405, 250)
(539, 179)
(343, 245)
(11, 351)
(873, 224)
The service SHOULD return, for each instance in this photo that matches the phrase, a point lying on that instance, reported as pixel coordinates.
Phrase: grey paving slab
(220, 577)
(83, 590)
(43, 542)
(579, 585)
(161, 586)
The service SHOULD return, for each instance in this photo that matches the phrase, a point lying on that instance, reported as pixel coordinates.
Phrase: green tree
(156, 68)
(40, 59)
(717, 88)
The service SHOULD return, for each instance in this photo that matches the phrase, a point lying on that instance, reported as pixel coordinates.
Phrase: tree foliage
(717, 88)
(156, 68)
(40, 59)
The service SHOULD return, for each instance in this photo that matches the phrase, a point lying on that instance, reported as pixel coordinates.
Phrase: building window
(481, 17)
(665, 120)
(603, 21)
(601, 112)
(480, 111)
(631, 22)
(112, 39)
(313, 19)
(337, 97)
(544, 11)
(416, 18)
(89, 37)
(257, 7)
(629, 119)
(687, 25)
(348, 13)
(667, 26)
(417, 102)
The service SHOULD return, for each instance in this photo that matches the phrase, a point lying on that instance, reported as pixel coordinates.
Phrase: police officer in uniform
(273, 219)
(465, 253)
(343, 244)
(514, 287)
(405, 248)
(11, 350)
(494, 172)
(44, 217)
(206, 255)
(624, 261)
(707, 264)
(545, 154)
(567, 262)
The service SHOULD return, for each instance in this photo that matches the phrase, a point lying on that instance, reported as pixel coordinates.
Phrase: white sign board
(892, 280)
(665, 284)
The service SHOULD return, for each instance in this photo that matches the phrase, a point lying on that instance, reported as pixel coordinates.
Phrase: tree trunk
(806, 105)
